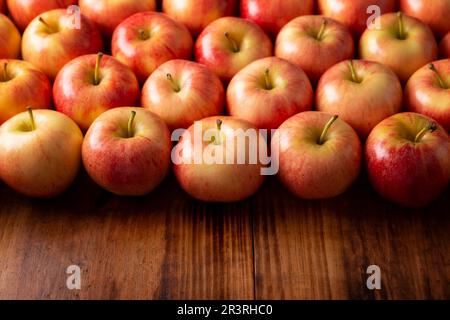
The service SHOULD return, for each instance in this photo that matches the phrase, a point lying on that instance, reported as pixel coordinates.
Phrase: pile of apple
(380, 94)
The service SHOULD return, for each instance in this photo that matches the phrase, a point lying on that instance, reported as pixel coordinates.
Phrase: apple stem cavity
(175, 86)
(130, 124)
(32, 123)
(353, 71)
(233, 43)
(322, 30)
(5, 72)
(268, 84)
(401, 29)
(97, 69)
(49, 28)
(325, 130)
(440, 80)
(431, 127)
(143, 35)
(216, 139)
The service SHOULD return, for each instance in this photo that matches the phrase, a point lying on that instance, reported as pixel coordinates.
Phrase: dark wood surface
(272, 246)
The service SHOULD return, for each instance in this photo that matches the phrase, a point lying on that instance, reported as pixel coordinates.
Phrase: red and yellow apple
(9, 39)
(444, 47)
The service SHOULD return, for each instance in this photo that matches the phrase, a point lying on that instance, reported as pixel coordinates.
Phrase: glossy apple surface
(315, 162)
(83, 98)
(268, 91)
(51, 40)
(128, 158)
(405, 171)
(146, 40)
(428, 92)
(404, 49)
(229, 44)
(314, 43)
(444, 47)
(109, 14)
(197, 14)
(181, 92)
(9, 39)
(41, 160)
(272, 15)
(21, 86)
(360, 92)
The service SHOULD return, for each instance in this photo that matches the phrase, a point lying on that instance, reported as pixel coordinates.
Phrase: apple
(353, 13)
(268, 91)
(403, 43)
(272, 15)
(2, 6)
(146, 40)
(197, 14)
(24, 11)
(21, 86)
(434, 13)
(444, 47)
(91, 84)
(314, 43)
(181, 92)
(109, 14)
(229, 44)
(319, 155)
(408, 159)
(51, 40)
(222, 178)
(360, 92)
(40, 152)
(127, 151)
(9, 39)
(428, 92)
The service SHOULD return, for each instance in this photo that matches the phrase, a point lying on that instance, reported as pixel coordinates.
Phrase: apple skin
(201, 93)
(10, 39)
(169, 40)
(310, 170)
(407, 173)
(24, 11)
(109, 14)
(78, 97)
(59, 47)
(26, 87)
(290, 93)
(353, 13)
(214, 50)
(424, 95)
(2, 6)
(297, 42)
(197, 14)
(444, 47)
(271, 16)
(42, 163)
(361, 104)
(404, 57)
(126, 166)
(434, 13)
(217, 182)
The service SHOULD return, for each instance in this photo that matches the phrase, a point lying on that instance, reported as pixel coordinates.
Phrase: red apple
(319, 155)
(181, 92)
(206, 160)
(408, 159)
(353, 13)
(273, 15)
(22, 86)
(435, 13)
(314, 43)
(197, 14)
(9, 39)
(146, 40)
(127, 151)
(268, 91)
(2, 6)
(24, 11)
(109, 14)
(360, 92)
(51, 40)
(444, 47)
(403, 43)
(229, 44)
(91, 84)
(40, 152)
(428, 92)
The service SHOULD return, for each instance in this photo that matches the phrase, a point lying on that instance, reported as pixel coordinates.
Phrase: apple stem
(175, 86)
(441, 81)
(30, 113)
(232, 42)
(267, 80)
(41, 20)
(5, 71)
(401, 31)
(130, 124)
(325, 129)
(353, 71)
(322, 29)
(97, 68)
(431, 127)
(143, 35)
(216, 139)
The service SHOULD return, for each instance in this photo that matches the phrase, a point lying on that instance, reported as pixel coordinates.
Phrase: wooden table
(272, 246)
